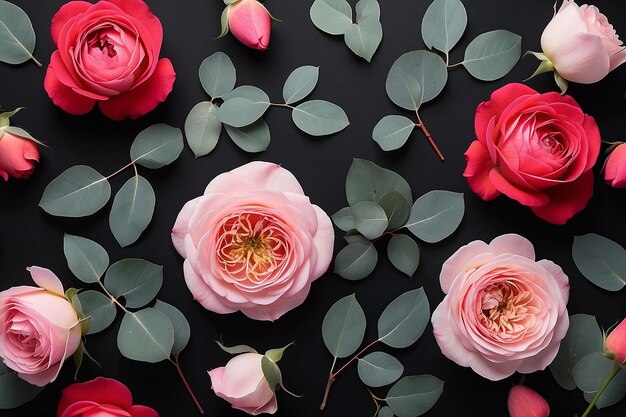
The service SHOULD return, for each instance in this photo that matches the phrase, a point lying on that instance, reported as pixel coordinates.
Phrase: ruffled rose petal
(567, 200)
(479, 165)
(513, 244)
(65, 13)
(256, 175)
(202, 293)
(142, 411)
(46, 279)
(64, 97)
(100, 391)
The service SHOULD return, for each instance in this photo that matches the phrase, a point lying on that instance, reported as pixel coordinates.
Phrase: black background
(31, 237)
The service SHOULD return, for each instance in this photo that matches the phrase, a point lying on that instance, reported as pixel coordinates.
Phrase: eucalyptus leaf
(613, 393)
(17, 37)
(240, 111)
(86, 259)
(379, 369)
(217, 75)
(253, 138)
(344, 219)
(404, 254)
(14, 130)
(601, 261)
(443, 24)
(250, 92)
(157, 146)
(591, 371)
(182, 330)
(319, 118)
(14, 391)
(413, 396)
(136, 280)
(364, 37)
(99, 308)
(353, 238)
(385, 412)
(300, 83)
(132, 210)
(202, 128)
(392, 132)
(331, 16)
(343, 327)
(356, 261)
(403, 321)
(367, 9)
(370, 219)
(236, 350)
(366, 181)
(397, 209)
(146, 335)
(436, 215)
(79, 191)
(492, 55)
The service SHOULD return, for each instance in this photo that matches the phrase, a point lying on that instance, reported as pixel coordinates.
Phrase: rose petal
(64, 97)
(46, 279)
(100, 390)
(567, 200)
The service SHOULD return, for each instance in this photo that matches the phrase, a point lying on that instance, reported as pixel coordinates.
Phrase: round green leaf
(364, 37)
(356, 261)
(14, 391)
(404, 254)
(392, 132)
(132, 210)
(413, 396)
(182, 330)
(202, 128)
(17, 37)
(136, 280)
(367, 9)
(443, 24)
(397, 209)
(86, 259)
(99, 308)
(343, 327)
(379, 369)
(385, 412)
(492, 55)
(436, 215)
(253, 138)
(157, 146)
(300, 83)
(146, 336)
(344, 220)
(217, 75)
(79, 191)
(370, 219)
(591, 371)
(366, 181)
(241, 111)
(331, 16)
(319, 118)
(404, 319)
(601, 261)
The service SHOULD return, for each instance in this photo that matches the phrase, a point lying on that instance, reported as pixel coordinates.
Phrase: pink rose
(253, 242)
(101, 397)
(504, 311)
(17, 156)
(242, 384)
(581, 44)
(250, 22)
(525, 402)
(615, 344)
(538, 149)
(615, 168)
(108, 53)
(40, 328)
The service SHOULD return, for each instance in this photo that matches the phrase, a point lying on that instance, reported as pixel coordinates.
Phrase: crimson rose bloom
(108, 53)
(535, 148)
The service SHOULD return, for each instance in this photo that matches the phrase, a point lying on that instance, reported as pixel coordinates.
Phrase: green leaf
(253, 138)
(612, 394)
(385, 412)
(583, 337)
(379, 369)
(319, 118)
(236, 350)
(300, 83)
(370, 219)
(404, 319)
(132, 210)
(343, 327)
(17, 37)
(591, 372)
(397, 209)
(218, 75)
(331, 16)
(443, 24)
(275, 355)
(99, 308)
(136, 280)
(240, 111)
(202, 128)
(417, 69)
(344, 220)
(364, 37)
(392, 132)
(182, 330)
(366, 181)
(436, 215)
(146, 335)
(157, 146)
(367, 9)
(86, 259)
(601, 261)
(356, 261)
(404, 254)
(492, 55)
(352, 238)
(79, 191)
(14, 391)
(413, 396)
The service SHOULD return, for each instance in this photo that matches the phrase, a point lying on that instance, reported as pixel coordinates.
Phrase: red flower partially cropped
(538, 149)
(108, 53)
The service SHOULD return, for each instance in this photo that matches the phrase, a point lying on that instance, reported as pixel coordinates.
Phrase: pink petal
(479, 164)
(458, 263)
(100, 390)
(256, 175)
(324, 241)
(64, 97)
(203, 293)
(65, 13)
(567, 200)
(181, 226)
(513, 244)
(46, 279)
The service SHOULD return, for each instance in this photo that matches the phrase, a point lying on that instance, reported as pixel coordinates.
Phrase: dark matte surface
(31, 237)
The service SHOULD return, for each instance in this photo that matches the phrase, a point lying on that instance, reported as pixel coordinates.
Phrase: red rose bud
(525, 402)
(615, 344)
(615, 169)
(250, 22)
(18, 151)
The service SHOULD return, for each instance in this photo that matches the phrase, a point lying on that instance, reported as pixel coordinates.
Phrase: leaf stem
(609, 378)
(375, 399)
(131, 163)
(112, 298)
(189, 390)
(282, 105)
(454, 65)
(35, 61)
(428, 135)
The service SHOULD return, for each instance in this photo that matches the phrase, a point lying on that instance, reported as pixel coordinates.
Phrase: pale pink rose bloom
(242, 384)
(251, 23)
(525, 402)
(39, 328)
(581, 44)
(503, 312)
(253, 242)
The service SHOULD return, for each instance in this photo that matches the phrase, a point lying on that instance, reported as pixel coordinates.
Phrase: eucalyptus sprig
(240, 110)
(381, 204)
(17, 34)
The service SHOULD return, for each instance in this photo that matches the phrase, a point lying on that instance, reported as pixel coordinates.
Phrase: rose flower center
(506, 308)
(100, 41)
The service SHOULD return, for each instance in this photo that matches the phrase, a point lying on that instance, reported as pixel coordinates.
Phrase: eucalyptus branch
(112, 297)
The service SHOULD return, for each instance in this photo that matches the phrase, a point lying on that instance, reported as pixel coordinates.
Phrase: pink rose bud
(615, 169)
(615, 344)
(525, 402)
(250, 22)
(17, 156)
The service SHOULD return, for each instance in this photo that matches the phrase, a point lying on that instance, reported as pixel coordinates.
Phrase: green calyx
(5, 117)
(275, 355)
(547, 66)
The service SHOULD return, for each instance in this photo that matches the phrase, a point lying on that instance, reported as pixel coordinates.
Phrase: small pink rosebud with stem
(525, 402)
(249, 21)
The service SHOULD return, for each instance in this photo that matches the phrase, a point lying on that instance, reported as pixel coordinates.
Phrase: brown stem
(35, 61)
(428, 136)
(182, 377)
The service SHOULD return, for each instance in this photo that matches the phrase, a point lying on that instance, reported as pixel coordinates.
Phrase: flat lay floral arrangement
(354, 260)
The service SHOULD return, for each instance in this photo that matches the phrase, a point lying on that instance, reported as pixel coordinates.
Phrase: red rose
(102, 397)
(535, 148)
(108, 53)
(17, 156)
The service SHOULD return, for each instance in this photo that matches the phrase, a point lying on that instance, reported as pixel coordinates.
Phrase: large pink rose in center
(253, 242)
